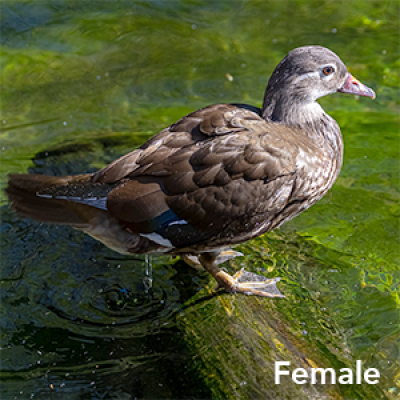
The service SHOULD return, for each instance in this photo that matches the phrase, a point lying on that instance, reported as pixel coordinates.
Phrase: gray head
(306, 74)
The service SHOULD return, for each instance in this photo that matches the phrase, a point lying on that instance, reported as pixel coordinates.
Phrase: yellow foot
(250, 284)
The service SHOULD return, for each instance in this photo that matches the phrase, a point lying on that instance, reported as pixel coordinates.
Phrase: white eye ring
(328, 70)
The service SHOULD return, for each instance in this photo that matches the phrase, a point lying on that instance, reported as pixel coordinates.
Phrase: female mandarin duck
(219, 176)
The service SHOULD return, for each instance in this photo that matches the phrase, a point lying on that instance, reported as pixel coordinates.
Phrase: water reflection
(76, 318)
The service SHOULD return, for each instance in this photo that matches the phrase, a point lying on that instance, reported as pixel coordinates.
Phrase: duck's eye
(328, 70)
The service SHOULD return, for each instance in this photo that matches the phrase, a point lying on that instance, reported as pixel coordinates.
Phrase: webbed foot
(242, 282)
(252, 284)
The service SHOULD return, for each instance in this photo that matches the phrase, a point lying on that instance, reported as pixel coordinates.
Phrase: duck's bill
(354, 86)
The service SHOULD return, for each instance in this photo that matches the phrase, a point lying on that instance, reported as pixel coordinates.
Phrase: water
(84, 82)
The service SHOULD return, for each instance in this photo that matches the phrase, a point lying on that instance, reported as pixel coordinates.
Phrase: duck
(218, 177)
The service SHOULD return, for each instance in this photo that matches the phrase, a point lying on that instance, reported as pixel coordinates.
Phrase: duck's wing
(198, 126)
(218, 171)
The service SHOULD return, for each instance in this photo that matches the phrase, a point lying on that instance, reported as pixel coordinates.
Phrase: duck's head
(306, 74)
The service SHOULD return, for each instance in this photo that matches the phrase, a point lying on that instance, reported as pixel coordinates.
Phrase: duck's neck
(307, 115)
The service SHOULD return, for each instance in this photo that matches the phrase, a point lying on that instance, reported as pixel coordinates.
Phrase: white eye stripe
(307, 75)
(317, 74)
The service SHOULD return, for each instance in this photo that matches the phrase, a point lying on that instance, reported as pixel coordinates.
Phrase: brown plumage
(219, 176)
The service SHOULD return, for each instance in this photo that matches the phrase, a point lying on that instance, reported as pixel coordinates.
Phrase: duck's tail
(51, 199)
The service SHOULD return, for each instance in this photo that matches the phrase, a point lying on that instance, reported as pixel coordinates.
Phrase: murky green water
(86, 81)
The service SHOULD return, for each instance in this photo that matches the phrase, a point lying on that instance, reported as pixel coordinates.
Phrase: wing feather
(216, 169)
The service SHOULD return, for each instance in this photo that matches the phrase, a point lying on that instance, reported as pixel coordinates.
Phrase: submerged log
(237, 339)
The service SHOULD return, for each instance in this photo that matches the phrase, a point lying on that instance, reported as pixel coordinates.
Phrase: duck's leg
(222, 256)
(242, 282)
